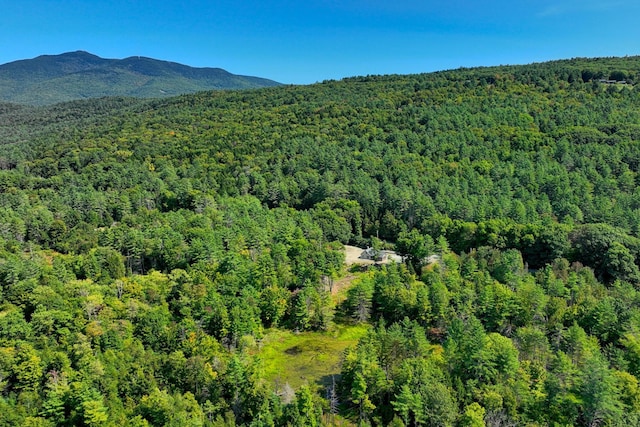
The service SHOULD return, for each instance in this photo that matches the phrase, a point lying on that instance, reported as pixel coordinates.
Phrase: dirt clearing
(352, 256)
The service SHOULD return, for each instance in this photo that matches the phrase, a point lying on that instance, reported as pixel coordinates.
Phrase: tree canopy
(148, 247)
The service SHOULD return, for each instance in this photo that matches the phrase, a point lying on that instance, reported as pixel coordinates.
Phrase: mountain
(49, 79)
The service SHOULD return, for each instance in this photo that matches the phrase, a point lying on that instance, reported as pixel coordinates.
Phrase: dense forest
(150, 250)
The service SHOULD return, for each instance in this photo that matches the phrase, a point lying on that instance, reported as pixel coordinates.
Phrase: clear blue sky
(304, 41)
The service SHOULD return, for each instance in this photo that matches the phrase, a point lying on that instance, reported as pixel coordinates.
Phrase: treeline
(525, 150)
(145, 247)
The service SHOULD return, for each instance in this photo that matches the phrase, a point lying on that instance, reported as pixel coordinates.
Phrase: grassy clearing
(306, 357)
(310, 357)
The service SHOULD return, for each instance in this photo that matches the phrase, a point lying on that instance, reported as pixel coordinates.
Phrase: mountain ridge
(49, 79)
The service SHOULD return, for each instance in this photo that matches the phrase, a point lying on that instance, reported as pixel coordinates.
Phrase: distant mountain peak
(48, 79)
(80, 53)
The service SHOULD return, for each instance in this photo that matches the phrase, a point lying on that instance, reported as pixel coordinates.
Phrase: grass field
(310, 357)
(306, 357)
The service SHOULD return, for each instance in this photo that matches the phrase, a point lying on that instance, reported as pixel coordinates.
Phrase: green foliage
(473, 416)
(415, 246)
(359, 299)
(148, 249)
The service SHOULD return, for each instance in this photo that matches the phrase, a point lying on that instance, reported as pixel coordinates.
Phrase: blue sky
(305, 41)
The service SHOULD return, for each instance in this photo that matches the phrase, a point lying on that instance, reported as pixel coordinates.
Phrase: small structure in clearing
(355, 255)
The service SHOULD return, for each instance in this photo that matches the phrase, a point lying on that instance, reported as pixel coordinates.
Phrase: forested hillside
(148, 249)
(50, 79)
